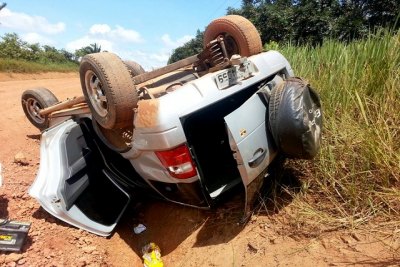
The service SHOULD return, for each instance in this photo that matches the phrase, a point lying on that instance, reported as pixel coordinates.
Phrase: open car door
(74, 182)
(251, 144)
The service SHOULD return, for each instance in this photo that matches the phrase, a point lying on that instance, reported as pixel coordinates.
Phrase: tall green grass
(356, 176)
(22, 66)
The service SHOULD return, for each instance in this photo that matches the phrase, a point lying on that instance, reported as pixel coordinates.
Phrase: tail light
(178, 162)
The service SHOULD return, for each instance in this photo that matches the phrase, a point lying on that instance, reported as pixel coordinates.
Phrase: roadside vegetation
(23, 66)
(356, 176)
(17, 55)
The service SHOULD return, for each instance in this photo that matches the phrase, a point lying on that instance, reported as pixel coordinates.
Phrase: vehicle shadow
(224, 224)
(169, 225)
(3, 207)
(42, 214)
(278, 191)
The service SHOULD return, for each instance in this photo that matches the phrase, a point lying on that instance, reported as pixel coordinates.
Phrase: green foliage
(92, 48)
(12, 47)
(190, 48)
(271, 46)
(19, 56)
(22, 66)
(310, 21)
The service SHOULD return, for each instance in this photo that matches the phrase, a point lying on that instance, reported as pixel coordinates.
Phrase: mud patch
(147, 114)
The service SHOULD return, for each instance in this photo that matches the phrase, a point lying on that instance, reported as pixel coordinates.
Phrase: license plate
(232, 76)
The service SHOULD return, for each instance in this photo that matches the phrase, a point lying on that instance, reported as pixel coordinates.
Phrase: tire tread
(121, 93)
(249, 40)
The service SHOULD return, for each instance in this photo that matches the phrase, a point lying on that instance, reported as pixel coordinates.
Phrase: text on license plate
(231, 76)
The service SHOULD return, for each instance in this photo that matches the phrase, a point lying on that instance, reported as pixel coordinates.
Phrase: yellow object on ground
(152, 256)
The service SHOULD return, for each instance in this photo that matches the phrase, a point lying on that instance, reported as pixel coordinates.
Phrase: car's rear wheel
(33, 101)
(109, 90)
(241, 36)
(295, 118)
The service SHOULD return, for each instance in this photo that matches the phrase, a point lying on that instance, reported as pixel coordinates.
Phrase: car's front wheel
(109, 90)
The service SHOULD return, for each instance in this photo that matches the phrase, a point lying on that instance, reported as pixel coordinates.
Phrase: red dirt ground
(186, 236)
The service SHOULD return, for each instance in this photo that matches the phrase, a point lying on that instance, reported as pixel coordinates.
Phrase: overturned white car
(187, 133)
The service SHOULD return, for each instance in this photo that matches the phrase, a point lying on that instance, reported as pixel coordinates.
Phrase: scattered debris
(152, 256)
(252, 248)
(20, 158)
(13, 235)
(13, 257)
(140, 228)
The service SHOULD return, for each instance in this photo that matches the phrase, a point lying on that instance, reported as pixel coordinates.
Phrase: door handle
(258, 157)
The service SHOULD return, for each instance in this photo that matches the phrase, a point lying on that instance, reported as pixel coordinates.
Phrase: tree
(94, 48)
(52, 55)
(309, 21)
(68, 55)
(190, 48)
(35, 51)
(312, 21)
(13, 47)
(275, 21)
(2, 5)
(90, 49)
(383, 13)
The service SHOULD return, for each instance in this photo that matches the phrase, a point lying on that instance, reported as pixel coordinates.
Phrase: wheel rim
(96, 93)
(33, 107)
(314, 123)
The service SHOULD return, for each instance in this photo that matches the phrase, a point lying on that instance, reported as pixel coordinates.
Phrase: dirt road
(186, 236)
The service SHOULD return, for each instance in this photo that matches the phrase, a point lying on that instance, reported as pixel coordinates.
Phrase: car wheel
(134, 68)
(33, 101)
(241, 36)
(118, 140)
(108, 89)
(295, 118)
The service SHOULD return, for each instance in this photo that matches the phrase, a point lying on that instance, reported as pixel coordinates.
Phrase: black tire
(241, 36)
(295, 118)
(134, 68)
(118, 140)
(109, 90)
(33, 101)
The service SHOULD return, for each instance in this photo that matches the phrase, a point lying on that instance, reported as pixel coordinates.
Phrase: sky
(142, 31)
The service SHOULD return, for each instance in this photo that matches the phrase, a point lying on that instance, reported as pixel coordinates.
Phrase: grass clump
(22, 66)
(356, 176)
